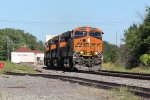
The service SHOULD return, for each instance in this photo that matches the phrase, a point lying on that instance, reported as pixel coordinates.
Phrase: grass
(113, 67)
(123, 93)
(11, 67)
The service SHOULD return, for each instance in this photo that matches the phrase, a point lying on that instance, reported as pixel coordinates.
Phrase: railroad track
(131, 75)
(140, 76)
(140, 91)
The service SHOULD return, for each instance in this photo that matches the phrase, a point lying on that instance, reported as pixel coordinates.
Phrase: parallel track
(140, 91)
(132, 75)
(119, 74)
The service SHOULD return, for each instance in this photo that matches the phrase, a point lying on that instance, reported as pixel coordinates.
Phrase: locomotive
(80, 48)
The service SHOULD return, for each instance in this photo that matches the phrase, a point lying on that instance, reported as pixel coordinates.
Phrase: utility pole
(120, 40)
(116, 38)
(7, 48)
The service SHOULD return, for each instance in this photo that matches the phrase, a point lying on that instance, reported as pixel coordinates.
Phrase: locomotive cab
(88, 48)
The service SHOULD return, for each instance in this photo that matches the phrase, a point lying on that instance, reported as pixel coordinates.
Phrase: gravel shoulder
(44, 88)
(38, 88)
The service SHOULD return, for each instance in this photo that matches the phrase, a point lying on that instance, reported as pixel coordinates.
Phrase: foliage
(3, 48)
(116, 67)
(145, 59)
(137, 42)
(109, 52)
(122, 55)
(11, 39)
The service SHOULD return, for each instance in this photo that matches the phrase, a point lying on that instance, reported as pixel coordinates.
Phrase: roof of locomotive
(65, 33)
(87, 28)
(84, 28)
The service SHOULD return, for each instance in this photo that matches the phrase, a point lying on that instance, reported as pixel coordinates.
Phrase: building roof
(23, 50)
(27, 50)
(37, 51)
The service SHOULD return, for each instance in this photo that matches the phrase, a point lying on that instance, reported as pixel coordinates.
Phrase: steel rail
(118, 74)
(140, 91)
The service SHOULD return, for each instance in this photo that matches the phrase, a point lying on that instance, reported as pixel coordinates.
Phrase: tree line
(136, 48)
(12, 39)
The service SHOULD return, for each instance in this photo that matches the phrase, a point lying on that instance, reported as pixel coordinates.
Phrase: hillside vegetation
(11, 39)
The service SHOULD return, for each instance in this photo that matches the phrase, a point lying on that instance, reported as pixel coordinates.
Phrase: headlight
(81, 52)
(96, 53)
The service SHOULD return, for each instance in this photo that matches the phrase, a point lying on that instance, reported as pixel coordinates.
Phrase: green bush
(145, 59)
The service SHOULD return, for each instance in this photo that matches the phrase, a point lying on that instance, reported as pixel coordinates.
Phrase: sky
(53, 17)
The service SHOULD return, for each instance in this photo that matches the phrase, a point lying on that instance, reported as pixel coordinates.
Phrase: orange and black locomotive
(80, 48)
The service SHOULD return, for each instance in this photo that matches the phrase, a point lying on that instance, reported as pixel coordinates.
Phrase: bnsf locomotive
(80, 48)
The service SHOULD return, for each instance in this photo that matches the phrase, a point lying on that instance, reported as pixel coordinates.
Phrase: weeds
(113, 67)
(11, 67)
(123, 93)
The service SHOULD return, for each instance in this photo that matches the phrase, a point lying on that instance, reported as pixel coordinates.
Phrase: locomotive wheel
(67, 63)
(55, 64)
(73, 66)
(74, 69)
(45, 62)
(49, 64)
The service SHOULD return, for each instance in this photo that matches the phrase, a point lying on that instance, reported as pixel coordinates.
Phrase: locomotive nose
(87, 39)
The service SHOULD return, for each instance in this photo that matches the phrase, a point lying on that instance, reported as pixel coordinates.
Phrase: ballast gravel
(119, 80)
(17, 87)
(39, 88)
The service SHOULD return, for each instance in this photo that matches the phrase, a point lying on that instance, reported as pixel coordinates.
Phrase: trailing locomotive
(80, 48)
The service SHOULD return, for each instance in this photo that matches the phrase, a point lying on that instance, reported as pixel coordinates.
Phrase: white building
(25, 55)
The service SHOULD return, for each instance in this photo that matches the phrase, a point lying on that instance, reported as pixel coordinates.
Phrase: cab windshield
(95, 34)
(80, 33)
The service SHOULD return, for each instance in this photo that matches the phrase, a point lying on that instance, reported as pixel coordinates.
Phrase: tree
(40, 46)
(109, 52)
(137, 41)
(11, 39)
(3, 48)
